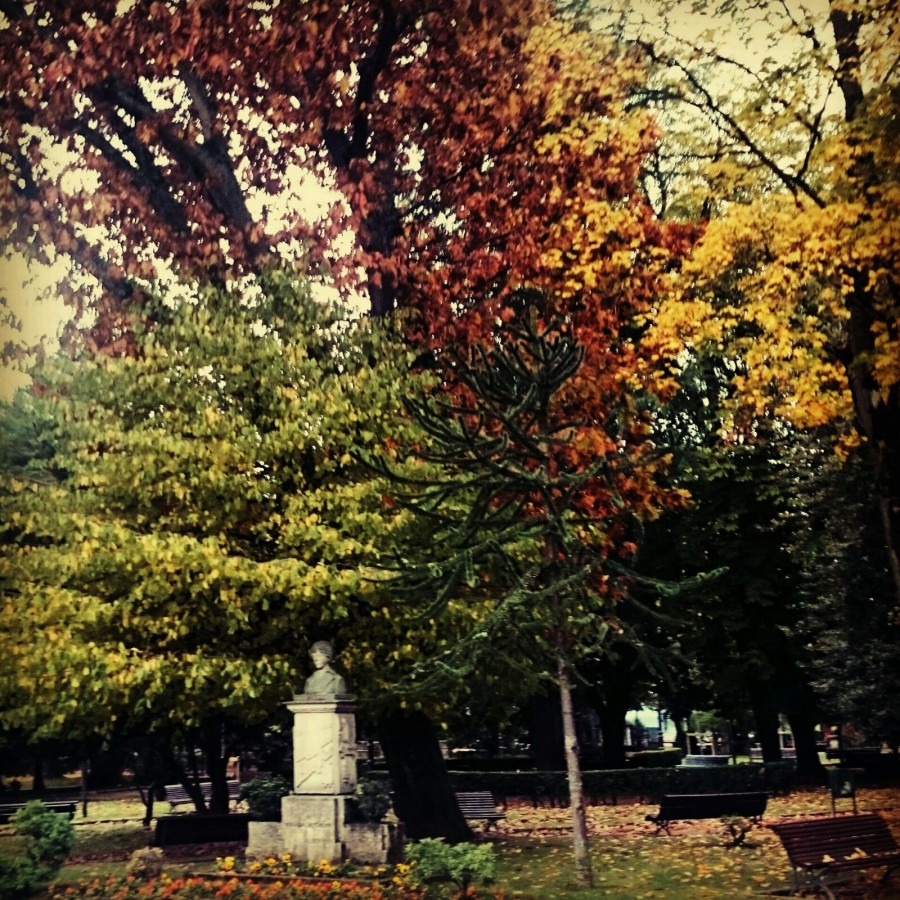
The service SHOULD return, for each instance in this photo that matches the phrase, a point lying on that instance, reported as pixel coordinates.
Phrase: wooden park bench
(64, 807)
(821, 848)
(178, 796)
(479, 805)
(746, 805)
(197, 829)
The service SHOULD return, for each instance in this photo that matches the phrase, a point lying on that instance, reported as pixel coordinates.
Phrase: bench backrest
(478, 805)
(808, 841)
(712, 806)
(8, 810)
(175, 793)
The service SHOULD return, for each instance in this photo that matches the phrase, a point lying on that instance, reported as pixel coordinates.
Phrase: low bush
(195, 888)
(463, 864)
(263, 797)
(371, 799)
(609, 785)
(50, 837)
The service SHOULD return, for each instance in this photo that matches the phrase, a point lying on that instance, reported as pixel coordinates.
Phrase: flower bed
(205, 887)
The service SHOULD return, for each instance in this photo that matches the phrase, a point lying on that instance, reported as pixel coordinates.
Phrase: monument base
(316, 828)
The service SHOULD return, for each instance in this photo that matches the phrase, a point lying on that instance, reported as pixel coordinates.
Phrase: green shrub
(263, 797)
(463, 864)
(18, 877)
(371, 799)
(51, 838)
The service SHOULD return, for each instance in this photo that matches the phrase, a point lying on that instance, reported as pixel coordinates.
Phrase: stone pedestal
(324, 744)
(317, 818)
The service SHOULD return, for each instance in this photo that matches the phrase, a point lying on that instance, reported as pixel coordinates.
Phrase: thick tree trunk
(612, 728)
(803, 727)
(38, 784)
(545, 732)
(583, 870)
(216, 758)
(423, 796)
(766, 717)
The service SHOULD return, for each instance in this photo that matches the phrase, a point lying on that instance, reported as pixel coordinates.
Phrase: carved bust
(324, 680)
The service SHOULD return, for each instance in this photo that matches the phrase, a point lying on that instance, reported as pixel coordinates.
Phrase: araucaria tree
(511, 508)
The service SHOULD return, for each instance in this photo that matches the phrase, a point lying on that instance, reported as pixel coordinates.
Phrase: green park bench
(479, 805)
(197, 829)
(64, 807)
(744, 804)
(178, 796)
(819, 849)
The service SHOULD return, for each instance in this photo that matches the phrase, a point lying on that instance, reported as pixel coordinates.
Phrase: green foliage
(18, 877)
(51, 838)
(202, 512)
(501, 500)
(463, 864)
(263, 797)
(371, 799)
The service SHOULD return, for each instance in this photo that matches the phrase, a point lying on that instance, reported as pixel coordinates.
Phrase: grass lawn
(535, 856)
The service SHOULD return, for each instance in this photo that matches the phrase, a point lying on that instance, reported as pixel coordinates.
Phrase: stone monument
(317, 817)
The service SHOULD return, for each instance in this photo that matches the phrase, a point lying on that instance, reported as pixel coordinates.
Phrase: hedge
(610, 785)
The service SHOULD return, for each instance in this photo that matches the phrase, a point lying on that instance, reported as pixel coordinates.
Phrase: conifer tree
(508, 530)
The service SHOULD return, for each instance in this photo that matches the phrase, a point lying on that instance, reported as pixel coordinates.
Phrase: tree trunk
(583, 870)
(38, 784)
(612, 728)
(545, 731)
(217, 770)
(147, 798)
(766, 718)
(803, 727)
(423, 796)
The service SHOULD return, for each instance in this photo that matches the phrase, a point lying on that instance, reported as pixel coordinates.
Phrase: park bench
(820, 848)
(65, 807)
(747, 805)
(479, 805)
(178, 796)
(200, 829)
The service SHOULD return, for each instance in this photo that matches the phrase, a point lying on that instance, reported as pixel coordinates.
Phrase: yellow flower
(271, 861)
(287, 858)
(226, 864)
(403, 868)
(255, 866)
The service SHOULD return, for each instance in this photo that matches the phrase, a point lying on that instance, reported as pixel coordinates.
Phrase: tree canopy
(196, 514)
(791, 157)
(471, 147)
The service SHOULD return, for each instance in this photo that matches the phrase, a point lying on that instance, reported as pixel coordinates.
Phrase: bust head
(324, 680)
(321, 653)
